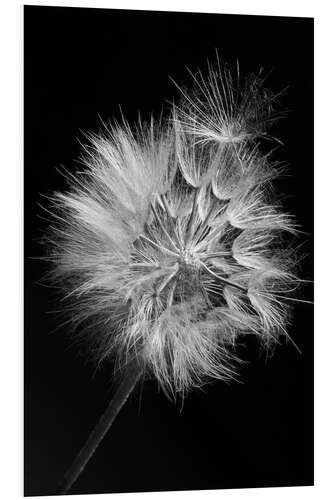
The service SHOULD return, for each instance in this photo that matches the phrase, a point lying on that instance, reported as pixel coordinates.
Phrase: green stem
(132, 375)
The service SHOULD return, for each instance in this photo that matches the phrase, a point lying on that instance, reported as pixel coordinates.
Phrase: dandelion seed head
(168, 243)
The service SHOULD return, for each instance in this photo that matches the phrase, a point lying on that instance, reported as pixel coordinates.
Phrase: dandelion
(169, 243)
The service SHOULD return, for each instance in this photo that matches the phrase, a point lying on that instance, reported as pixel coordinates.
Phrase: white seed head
(168, 243)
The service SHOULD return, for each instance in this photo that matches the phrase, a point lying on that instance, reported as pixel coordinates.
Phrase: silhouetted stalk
(132, 374)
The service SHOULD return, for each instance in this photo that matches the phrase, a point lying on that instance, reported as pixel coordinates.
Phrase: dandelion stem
(132, 375)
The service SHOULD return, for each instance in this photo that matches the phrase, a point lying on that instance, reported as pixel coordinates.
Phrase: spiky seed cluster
(168, 242)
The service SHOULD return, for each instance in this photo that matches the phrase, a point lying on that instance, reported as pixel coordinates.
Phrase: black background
(80, 65)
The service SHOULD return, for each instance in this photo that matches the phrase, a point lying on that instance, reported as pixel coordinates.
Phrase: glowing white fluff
(164, 242)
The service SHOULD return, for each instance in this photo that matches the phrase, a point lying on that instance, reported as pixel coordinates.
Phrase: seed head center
(188, 258)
